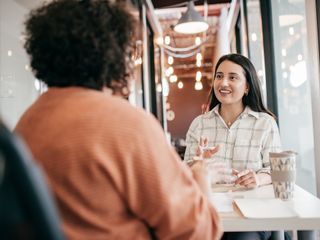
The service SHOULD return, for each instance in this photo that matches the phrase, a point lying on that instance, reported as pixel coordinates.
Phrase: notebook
(265, 208)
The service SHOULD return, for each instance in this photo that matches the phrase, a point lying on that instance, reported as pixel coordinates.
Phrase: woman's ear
(246, 92)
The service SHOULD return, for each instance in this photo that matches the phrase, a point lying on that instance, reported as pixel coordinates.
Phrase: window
(293, 55)
(18, 86)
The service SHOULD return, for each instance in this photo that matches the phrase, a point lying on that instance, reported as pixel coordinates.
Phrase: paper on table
(222, 201)
(226, 187)
(265, 208)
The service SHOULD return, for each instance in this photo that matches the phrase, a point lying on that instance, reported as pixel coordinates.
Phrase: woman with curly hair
(109, 179)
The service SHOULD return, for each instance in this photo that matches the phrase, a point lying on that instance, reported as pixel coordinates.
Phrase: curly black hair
(81, 43)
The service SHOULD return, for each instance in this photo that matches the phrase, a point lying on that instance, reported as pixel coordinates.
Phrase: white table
(304, 204)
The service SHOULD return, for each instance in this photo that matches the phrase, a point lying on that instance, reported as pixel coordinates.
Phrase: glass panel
(18, 87)
(158, 85)
(256, 53)
(293, 86)
(136, 89)
(136, 92)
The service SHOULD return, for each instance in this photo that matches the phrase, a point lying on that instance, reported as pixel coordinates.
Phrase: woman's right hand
(203, 151)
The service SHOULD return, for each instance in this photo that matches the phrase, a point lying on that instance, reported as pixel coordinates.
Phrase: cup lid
(283, 154)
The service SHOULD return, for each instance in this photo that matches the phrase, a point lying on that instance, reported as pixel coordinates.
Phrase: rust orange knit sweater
(113, 174)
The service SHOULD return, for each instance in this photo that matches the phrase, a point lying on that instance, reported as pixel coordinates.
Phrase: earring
(246, 92)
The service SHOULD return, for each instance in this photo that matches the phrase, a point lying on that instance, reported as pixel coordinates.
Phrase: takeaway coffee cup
(283, 173)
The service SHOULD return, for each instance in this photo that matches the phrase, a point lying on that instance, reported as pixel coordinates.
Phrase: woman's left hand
(248, 178)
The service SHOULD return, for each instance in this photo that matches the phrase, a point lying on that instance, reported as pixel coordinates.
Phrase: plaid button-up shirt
(246, 145)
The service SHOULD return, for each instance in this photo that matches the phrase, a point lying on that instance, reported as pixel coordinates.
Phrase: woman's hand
(248, 178)
(203, 151)
(200, 174)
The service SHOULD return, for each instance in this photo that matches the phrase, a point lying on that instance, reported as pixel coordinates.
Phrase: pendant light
(289, 14)
(191, 21)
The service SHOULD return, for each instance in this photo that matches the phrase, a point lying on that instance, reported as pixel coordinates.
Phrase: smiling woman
(240, 124)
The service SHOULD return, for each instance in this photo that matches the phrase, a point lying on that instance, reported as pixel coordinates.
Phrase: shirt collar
(247, 111)
(216, 110)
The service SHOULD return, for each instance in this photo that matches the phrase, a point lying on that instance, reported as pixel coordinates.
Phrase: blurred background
(174, 63)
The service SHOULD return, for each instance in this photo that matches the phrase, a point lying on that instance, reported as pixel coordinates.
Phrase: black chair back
(27, 208)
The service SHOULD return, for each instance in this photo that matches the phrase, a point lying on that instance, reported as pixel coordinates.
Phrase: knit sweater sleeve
(160, 190)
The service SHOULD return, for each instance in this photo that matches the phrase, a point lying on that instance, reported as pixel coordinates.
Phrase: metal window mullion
(269, 55)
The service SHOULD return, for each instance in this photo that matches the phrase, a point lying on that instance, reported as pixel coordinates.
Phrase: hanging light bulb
(198, 76)
(199, 57)
(169, 71)
(180, 85)
(291, 30)
(170, 60)
(198, 63)
(198, 86)
(197, 41)
(167, 40)
(173, 78)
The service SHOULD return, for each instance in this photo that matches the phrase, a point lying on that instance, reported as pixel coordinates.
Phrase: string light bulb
(167, 40)
(199, 57)
(198, 86)
(197, 41)
(170, 60)
(198, 76)
(169, 71)
(180, 85)
(173, 78)
(198, 63)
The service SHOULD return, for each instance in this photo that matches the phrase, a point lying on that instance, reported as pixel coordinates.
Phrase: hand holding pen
(247, 178)
(203, 151)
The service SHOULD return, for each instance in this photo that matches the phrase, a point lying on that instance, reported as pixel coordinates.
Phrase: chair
(27, 209)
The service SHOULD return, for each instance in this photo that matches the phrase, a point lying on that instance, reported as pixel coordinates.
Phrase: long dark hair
(254, 97)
